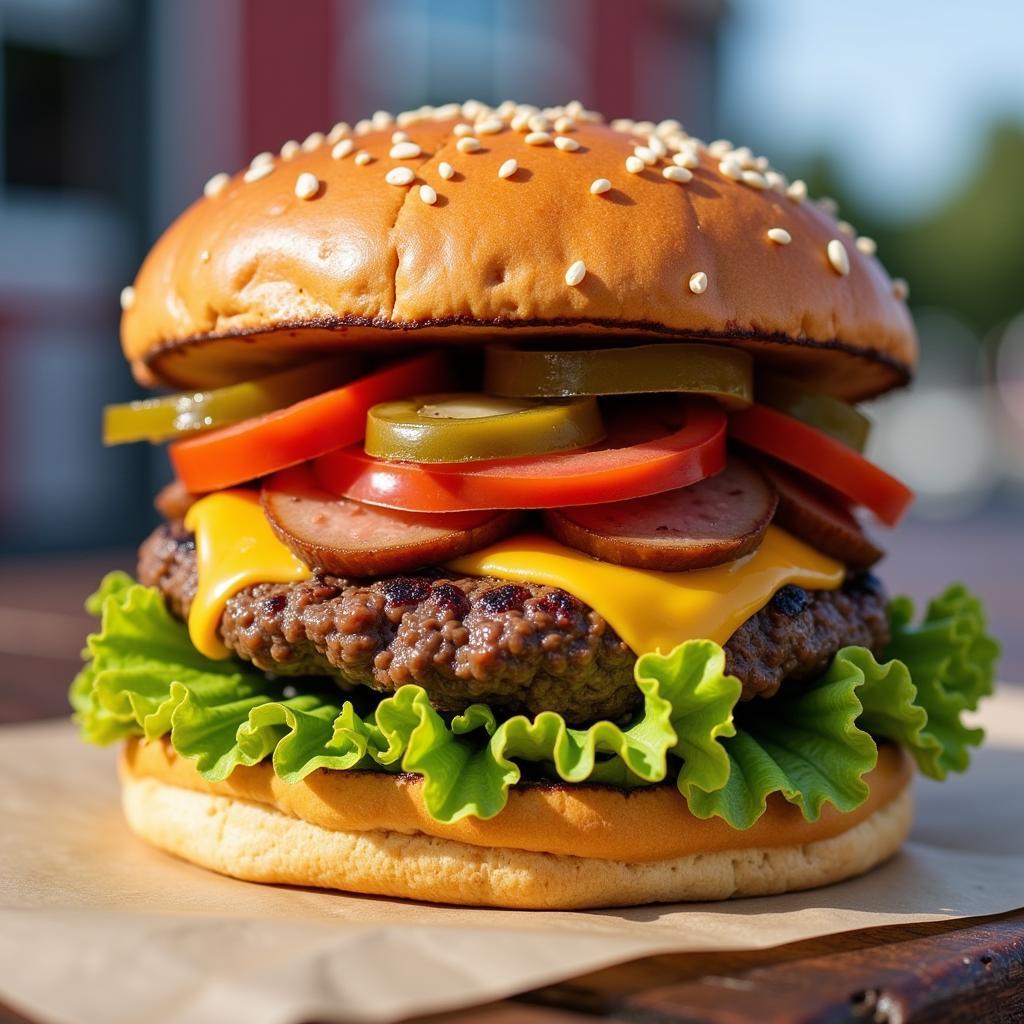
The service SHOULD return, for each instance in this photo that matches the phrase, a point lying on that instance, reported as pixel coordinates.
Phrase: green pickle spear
(470, 427)
(714, 371)
(157, 419)
(831, 416)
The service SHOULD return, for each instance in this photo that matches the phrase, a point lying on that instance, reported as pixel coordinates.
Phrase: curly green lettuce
(813, 744)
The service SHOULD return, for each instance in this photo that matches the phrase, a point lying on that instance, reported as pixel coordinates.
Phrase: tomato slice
(823, 458)
(265, 444)
(648, 451)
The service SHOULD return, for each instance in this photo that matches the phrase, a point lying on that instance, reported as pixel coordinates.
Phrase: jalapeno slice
(715, 371)
(831, 416)
(471, 427)
(157, 419)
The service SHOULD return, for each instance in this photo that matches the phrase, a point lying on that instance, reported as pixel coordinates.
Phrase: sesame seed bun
(265, 268)
(552, 847)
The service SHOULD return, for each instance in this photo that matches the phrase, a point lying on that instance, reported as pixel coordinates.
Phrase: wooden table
(968, 971)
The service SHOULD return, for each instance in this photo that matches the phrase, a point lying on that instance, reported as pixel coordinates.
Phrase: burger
(515, 555)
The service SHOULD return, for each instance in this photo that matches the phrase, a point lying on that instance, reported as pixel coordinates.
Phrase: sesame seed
(404, 151)
(364, 126)
(575, 274)
(622, 124)
(649, 157)
(539, 138)
(204, 256)
(428, 195)
(565, 144)
(521, 122)
(289, 149)
(780, 236)
(687, 159)
(445, 169)
(761, 164)
(670, 126)
(314, 140)
(847, 228)
(467, 144)
(574, 108)
(634, 164)
(900, 289)
(259, 171)
(680, 174)
(490, 126)
(838, 257)
(216, 185)
(565, 124)
(338, 132)
(731, 169)
(699, 283)
(508, 168)
(363, 158)
(307, 185)
(538, 123)
(399, 136)
(797, 191)
(755, 179)
(829, 205)
(400, 176)
(866, 245)
(265, 157)
(776, 181)
(720, 147)
(342, 149)
(447, 112)
(657, 147)
(382, 119)
(128, 297)
(472, 108)
(461, 130)
(599, 185)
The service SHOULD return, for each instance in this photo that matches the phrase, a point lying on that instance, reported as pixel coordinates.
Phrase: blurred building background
(114, 112)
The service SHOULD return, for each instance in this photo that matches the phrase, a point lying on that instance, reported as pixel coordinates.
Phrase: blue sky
(900, 91)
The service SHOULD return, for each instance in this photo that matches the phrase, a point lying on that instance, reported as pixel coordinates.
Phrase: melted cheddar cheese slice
(651, 611)
(656, 611)
(235, 548)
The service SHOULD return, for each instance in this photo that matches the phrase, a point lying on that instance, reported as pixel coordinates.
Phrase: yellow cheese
(655, 611)
(235, 548)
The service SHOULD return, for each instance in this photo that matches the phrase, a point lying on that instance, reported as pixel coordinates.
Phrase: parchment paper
(97, 927)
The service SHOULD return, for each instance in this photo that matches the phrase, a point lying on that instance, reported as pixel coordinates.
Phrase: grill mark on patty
(521, 648)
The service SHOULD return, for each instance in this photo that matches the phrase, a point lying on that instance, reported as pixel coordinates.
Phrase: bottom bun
(258, 843)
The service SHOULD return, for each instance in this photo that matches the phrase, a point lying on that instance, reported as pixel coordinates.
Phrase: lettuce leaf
(145, 678)
(811, 743)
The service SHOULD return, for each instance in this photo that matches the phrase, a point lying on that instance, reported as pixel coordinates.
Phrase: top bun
(319, 246)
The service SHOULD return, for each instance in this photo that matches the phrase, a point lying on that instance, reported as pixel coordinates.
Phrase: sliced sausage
(714, 521)
(815, 515)
(342, 536)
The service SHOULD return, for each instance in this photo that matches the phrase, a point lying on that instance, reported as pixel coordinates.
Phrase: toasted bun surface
(367, 832)
(254, 276)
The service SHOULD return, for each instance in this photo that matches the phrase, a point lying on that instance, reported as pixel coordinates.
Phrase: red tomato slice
(265, 444)
(824, 459)
(641, 456)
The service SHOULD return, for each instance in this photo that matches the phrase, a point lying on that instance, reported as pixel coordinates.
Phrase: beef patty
(517, 647)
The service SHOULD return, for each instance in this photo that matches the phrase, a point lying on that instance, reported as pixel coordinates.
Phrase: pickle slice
(830, 415)
(471, 427)
(157, 419)
(716, 371)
